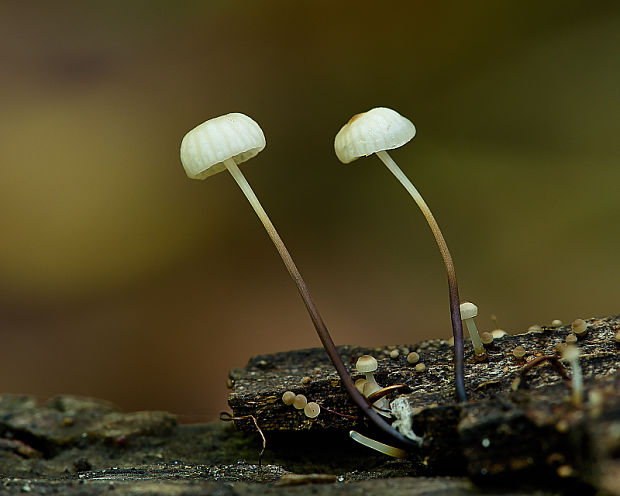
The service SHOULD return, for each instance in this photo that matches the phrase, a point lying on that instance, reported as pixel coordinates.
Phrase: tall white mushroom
(224, 142)
(377, 131)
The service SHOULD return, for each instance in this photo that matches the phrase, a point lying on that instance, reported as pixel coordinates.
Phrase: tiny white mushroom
(369, 388)
(580, 327)
(413, 357)
(300, 401)
(498, 333)
(571, 355)
(468, 312)
(312, 410)
(367, 364)
(359, 384)
(288, 397)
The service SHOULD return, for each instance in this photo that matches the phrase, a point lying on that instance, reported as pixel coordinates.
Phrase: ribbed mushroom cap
(370, 132)
(204, 148)
(366, 364)
(468, 310)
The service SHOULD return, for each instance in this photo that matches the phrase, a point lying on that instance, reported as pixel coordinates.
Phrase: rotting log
(515, 423)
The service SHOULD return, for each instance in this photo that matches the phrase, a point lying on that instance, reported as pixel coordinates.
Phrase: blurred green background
(120, 278)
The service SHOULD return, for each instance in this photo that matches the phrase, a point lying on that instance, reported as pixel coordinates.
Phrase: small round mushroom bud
(359, 384)
(556, 323)
(579, 327)
(377, 131)
(498, 333)
(300, 401)
(312, 410)
(306, 380)
(571, 338)
(486, 338)
(369, 388)
(468, 312)
(617, 337)
(382, 403)
(367, 364)
(571, 355)
(534, 329)
(420, 367)
(413, 357)
(394, 354)
(288, 397)
(519, 352)
(565, 471)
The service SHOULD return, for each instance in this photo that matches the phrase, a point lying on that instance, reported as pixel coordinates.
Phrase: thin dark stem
(455, 309)
(319, 325)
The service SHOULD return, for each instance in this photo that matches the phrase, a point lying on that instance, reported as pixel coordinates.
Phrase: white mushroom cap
(468, 310)
(366, 364)
(232, 136)
(370, 132)
(312, 410)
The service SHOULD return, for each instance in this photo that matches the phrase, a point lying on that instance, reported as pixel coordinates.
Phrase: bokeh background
(122, 279)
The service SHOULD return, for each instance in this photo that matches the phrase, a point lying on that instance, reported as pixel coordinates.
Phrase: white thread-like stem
(377, 446)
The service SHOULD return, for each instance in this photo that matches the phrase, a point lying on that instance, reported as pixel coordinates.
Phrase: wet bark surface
(519, 434)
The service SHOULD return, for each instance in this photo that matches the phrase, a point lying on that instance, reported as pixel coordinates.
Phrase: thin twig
(352, 417)
(552, 359)
(227, 417)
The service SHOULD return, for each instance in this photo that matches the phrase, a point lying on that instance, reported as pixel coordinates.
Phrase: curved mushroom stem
(317, 320)
(455, 312)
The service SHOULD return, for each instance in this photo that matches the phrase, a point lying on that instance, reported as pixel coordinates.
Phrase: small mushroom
(571, 355)
(486, 338)
(519, 352)
(579, 327)
(468, 312)
(300, 402)
(394, 354)
(312, 410)
(367, 364)
(420, 367)
(224, 142)
(571, 338)
(556, 323)
(413, 357)
(359, 384)
(377, 131)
